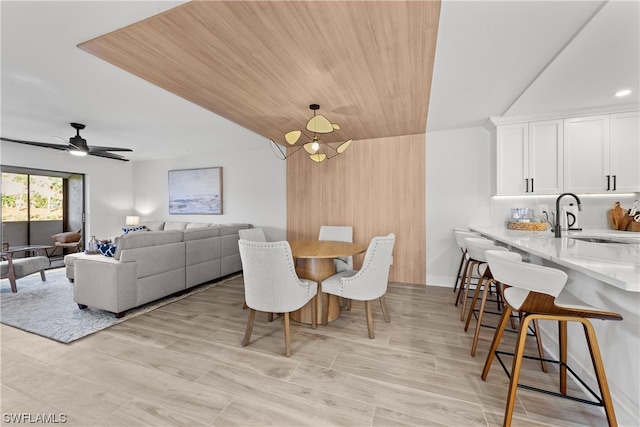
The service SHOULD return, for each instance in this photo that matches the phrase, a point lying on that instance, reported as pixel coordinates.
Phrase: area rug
(47, 308)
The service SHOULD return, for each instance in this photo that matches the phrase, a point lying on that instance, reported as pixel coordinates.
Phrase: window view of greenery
(42, 195)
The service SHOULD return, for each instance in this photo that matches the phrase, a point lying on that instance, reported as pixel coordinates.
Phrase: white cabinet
(602, 153)
(529, 158)
(624, 152)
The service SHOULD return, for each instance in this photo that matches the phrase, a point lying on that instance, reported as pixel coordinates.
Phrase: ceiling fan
(77, 146)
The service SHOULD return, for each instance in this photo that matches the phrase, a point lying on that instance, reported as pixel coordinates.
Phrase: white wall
(254, 189)
(458, 195)
(109, 195)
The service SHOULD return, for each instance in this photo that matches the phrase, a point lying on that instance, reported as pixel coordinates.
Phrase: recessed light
(622, 93)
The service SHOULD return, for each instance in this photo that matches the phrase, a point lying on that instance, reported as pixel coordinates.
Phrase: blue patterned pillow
(127, 230)
(107, 249)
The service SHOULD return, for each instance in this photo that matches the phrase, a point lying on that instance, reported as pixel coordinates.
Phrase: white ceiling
(492, 59)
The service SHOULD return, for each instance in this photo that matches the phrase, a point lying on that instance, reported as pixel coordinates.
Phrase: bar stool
(536, 291)
(477, 251)
(481, 244)
(464, 262)
(468, 233)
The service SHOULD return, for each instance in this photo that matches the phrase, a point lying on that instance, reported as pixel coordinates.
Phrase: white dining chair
(253, 234)
(271, 284)
(339, 233)
(367, 284)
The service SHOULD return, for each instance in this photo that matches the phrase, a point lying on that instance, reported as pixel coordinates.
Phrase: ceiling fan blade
(96, 149)
(107, 155)
(36, 144)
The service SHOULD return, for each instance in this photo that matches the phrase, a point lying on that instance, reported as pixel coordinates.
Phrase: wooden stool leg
(515, 371)
(483, 303)
(458, 276)
(466, 291)
(598, 367)
(536, 331)
(506, 315)
(562, 342)
(463, 280)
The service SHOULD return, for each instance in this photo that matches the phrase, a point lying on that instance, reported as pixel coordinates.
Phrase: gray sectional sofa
(170, 257)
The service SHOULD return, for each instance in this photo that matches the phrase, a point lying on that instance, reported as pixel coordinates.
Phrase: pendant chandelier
(317, 149)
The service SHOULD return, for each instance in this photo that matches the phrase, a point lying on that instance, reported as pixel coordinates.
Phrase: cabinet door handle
(614, 183)
(608, 182)
(532, 185)
(526, 180)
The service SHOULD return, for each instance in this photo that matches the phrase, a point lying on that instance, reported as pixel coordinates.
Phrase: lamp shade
(132, 220)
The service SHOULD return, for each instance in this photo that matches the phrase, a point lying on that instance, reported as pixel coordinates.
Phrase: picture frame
(195, 191)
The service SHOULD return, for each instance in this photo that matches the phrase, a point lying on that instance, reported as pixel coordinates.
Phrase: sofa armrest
(105, 283)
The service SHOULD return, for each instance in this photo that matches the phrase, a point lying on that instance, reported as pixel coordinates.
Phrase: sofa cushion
(107, 249)
(150, 238)
(200, 233)
(127, 230)
(229, 229)
(191, 225)
(175, 225)
(67, 237)
(153, 225)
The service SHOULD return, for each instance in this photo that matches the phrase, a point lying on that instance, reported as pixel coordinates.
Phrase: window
(31, 197)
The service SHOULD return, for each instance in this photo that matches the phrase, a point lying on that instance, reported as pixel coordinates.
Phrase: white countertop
(617, 264)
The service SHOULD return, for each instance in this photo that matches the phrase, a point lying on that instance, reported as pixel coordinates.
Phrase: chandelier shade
(317, 149)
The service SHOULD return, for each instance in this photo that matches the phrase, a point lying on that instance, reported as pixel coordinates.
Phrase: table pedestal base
(316, 269)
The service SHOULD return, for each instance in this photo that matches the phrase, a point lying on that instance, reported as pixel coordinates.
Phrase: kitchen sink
(598, 240)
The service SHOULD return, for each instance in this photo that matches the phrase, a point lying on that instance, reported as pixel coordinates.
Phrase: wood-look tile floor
(183, 365)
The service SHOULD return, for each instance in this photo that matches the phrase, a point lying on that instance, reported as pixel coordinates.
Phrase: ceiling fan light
(342, 147)
(293, 136)
(319, 124)
(311, 147)
(318, 157)
(78, 152)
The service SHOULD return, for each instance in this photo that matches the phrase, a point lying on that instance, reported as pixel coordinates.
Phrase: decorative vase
(92, 246)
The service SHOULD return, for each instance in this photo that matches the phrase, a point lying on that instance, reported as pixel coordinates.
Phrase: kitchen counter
(615, 263)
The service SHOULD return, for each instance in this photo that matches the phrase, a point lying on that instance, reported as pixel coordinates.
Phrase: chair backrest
(370, 282)
(461, 235)
(476, 248)
(339, 233)
(508, 268)
(252, 234)
(270, 280)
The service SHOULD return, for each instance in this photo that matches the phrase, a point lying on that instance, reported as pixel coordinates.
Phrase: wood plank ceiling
(261, 63)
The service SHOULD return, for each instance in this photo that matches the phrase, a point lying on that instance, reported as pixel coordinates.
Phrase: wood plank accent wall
(377, 186)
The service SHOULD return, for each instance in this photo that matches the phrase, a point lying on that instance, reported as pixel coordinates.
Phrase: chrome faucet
(557, 228)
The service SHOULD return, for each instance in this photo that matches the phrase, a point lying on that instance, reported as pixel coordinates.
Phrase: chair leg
(383, 307)
(562, 341)
(367, 309)
(463, 280)
(536, 331)
(466, 291)
(474, 301)
(598, 366)
(483, 303)
(247, 333)
(497, 337)
(455, 285)
(314, 312)
(270, 317)
(325, 308)
(287, 338)
(43, 276)
(515, 371)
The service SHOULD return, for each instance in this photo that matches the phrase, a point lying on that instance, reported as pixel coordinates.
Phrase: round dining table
(314, 261)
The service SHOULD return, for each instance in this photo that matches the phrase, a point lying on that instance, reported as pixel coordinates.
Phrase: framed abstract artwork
(195, 191)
